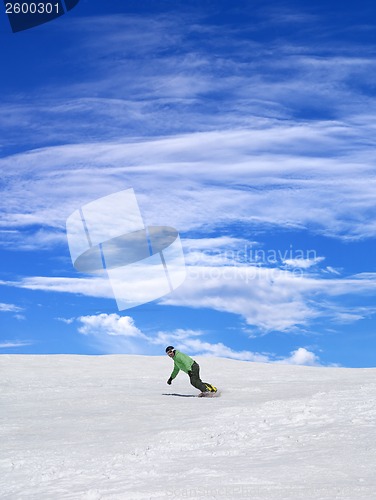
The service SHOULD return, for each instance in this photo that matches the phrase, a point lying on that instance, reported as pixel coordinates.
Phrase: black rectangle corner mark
(24, 15)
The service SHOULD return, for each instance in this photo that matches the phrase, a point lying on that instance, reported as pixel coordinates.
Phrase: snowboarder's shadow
(179, 395)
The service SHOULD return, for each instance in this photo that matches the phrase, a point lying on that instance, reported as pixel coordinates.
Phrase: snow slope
(108, 427)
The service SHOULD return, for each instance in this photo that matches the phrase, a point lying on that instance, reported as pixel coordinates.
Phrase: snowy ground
(77, 427)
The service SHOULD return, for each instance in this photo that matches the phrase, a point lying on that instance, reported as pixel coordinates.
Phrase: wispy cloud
(267, 176)
(270, 299)
(173, 82)
(91, 287)
(10, 308)
(13, 344)
(253, 135)
(302, 263)
(266, 298)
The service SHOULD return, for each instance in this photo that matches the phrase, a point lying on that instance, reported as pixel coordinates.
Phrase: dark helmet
(170, 348)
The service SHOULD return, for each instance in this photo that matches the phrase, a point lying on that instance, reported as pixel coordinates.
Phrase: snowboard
(209, 394)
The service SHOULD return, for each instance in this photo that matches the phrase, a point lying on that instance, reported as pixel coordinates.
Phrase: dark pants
(194, 376)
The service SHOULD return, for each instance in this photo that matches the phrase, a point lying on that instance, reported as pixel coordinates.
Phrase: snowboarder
(189, 366)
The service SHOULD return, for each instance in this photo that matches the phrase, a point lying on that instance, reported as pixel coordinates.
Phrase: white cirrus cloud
(262, 177)
(9, 307)
(303, 263)
(14, 344)
(269, 299)
(91, 287)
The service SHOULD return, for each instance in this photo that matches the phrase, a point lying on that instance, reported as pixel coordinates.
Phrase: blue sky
(247, 126)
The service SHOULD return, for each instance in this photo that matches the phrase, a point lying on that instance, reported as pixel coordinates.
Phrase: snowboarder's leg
(194, 376)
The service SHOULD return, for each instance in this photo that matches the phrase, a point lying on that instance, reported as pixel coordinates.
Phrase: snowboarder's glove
(169, 381)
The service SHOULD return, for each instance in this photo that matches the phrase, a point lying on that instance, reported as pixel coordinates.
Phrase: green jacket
(181, 362)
